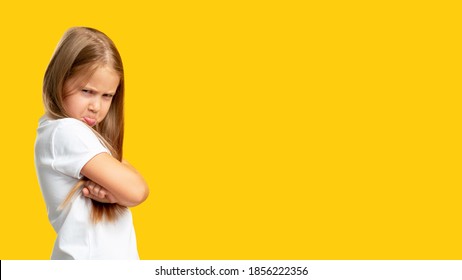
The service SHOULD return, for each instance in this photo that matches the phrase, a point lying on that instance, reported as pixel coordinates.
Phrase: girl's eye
(86, 91)
(108, 96)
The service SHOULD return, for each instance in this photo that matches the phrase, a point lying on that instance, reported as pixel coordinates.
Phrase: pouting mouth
(89, 121)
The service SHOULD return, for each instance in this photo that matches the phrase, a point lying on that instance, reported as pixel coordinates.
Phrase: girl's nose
(94, 105)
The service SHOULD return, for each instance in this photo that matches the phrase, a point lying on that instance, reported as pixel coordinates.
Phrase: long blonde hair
(79, 53)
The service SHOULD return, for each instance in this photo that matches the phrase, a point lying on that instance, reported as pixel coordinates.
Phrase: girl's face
(90, 103)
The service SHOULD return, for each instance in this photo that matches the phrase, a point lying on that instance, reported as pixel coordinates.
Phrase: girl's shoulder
(64, 128)
(70, 134)
(46, 123)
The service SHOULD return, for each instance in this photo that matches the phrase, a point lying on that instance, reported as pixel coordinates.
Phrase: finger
(85, 191)
(94, 184)
(96, 190)
(90, 187)
(102, 193)
(103, 200)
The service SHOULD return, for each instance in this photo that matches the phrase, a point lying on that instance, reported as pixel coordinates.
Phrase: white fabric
(62, 148)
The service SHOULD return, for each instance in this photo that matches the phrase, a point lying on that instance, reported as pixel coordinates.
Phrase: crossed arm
(111, 181)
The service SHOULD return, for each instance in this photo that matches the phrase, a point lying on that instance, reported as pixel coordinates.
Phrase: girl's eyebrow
(95, 90)
(90, 88)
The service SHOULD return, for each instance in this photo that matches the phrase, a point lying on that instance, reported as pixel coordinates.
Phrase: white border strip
(312, 270)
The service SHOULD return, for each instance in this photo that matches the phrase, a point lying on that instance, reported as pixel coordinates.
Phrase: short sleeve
(73, 145)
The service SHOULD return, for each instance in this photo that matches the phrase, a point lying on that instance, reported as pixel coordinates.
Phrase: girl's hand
(96, 192)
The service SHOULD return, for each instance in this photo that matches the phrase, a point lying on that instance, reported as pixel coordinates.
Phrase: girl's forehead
(104, 78)
(76, 80)
(83, 75)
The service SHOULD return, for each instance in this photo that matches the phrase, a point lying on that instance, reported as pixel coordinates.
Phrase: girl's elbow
(140, 195)
(143, 194)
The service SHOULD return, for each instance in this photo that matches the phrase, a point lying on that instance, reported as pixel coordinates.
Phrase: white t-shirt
(62, 148)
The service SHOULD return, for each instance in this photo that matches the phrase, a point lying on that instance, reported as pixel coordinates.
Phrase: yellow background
(266, 130)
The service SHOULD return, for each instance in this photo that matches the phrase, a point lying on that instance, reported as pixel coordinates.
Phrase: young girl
(86, 184)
